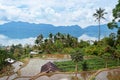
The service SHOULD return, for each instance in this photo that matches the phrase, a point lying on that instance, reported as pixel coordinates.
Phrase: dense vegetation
(3, 56)
(15, 52)
(106, 50)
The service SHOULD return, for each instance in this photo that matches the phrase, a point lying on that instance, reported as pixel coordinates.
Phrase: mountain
(24, 30)
(20, 30)
(93, 30)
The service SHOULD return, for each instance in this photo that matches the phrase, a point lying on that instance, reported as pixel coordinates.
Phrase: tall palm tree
(99, 14)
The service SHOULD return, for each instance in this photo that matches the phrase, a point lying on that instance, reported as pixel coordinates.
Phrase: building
(33, 52)
(9, 60)
(49, 67)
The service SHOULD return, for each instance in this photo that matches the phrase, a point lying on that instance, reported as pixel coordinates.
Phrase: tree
(116, 15)
(84, 65)
(115, 24)
(4, 55)
(39, 39)
(99, 14)
(110, 40)
(50, 38)
(76, 57)
(106, 56)
(112, 25)
(116, 11)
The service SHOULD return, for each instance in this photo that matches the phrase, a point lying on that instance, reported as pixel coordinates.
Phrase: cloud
(86, 38)
(56, 12)
(5, 41)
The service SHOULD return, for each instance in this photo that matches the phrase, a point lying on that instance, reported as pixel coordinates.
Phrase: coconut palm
(39, 39)
(99, 14)
(76, 57)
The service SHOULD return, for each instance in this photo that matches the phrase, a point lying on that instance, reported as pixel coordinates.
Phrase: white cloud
(56, 12)
(4, 40)
(86, 38)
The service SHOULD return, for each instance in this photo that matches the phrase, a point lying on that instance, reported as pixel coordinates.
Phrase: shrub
(84, 66)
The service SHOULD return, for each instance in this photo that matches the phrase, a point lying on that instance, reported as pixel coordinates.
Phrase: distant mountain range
(20, 30)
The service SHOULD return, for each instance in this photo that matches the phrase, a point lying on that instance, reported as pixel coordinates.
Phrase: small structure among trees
(9, 60)
(33, 52)
(49, 67)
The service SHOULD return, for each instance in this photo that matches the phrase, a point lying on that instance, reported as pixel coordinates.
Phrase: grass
(92, 63)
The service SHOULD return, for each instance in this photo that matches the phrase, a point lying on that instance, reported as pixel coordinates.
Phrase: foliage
(112, 25)
(77, 56)
(39, 39)
(68, 50)
(84, 65)
(93, 63)
(116, 11)
(56, 43)
(3, 55)
(115, 22)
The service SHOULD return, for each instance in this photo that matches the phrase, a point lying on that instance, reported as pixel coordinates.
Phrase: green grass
(67, 66)
(93, 64)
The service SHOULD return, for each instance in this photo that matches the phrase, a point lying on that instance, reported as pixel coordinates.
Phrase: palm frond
(99, 13)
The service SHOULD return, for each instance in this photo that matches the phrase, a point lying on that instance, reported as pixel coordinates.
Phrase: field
(94, 63)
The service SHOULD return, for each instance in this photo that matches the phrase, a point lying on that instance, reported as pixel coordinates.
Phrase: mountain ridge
(20, 30)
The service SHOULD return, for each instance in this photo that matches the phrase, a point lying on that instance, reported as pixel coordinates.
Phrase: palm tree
(76, 57)
(99, 14)
(39, 39)
(50, 38)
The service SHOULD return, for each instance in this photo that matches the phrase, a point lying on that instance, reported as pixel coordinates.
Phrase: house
(49, 67)
(36, 52)
(33, 52)
(9, 60)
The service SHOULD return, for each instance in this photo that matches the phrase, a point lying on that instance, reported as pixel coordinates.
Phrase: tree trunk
(118, 61)
(99, 31)
(76, 70)
(106, 63)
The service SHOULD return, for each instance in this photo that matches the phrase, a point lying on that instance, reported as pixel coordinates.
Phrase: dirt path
(29, 70)
(33, 67)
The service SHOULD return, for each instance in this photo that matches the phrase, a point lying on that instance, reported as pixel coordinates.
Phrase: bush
(84, 66)
(68, 50)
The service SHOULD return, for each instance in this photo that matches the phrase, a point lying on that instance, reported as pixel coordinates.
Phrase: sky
(56, 12)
